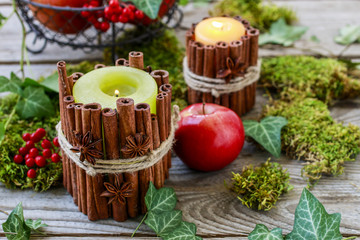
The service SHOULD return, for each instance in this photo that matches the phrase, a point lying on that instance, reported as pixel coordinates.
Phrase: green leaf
(34, 103)
(165, 222)
(149, 7)
(312, 222)
(315, 39)
(2, 131)
(2, 20)
(261, 232)
(16, 224)
(185, 231)
(348, 34)
(50, 83)
(283, 34)
(266, 133)
(163, 200)
(10, 85)
(35, 224)
(150, 194)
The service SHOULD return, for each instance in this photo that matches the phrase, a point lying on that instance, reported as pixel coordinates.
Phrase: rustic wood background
(203, 198)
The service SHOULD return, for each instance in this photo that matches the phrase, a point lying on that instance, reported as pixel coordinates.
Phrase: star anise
(86, 147)
(232, 70)
(118, 192)
(137, 145)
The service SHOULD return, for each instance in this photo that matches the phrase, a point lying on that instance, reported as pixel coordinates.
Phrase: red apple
(209, 137)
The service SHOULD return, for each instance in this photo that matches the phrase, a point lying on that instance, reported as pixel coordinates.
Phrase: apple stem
(203, 108)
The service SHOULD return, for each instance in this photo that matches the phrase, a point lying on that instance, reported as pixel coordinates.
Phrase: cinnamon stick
(238, 18)
(225, 100)
(254, 46)
(236, 52)
(209, 61)
(66, 161)
(207, 97)
(246, 23)
(143, 125)
(159, 177)
(98, 66)
(76, 76)
(246, 51)
(199, 59)
(221, 53)
(70, 113)
(126, 111)
(112, 143)
(136, 60)
(97, 207)
(79, 172)
(193, 50)
(191, 95)
(189, 35)
(167, 88)
(161, 115)
(161, 77)
(189, 54)
(122, 62)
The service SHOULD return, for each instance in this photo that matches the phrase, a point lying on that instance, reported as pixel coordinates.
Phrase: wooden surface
(202, 197)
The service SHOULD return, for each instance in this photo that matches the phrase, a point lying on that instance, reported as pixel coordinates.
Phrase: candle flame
(217, 24)
(117, 93)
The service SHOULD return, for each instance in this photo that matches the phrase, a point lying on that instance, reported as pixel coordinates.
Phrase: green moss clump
(314, 136)
(260, 187)
(83, 67)
(260, 16)
(325, 78)
(14, 175)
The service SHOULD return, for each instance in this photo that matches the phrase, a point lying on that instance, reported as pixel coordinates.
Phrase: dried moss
(260, 16)
(325, 79)
(314, 136)
(14, 175)
(260, 187)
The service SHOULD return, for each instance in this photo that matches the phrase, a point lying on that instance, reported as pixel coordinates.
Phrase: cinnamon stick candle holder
(111, 154)
(223, 73)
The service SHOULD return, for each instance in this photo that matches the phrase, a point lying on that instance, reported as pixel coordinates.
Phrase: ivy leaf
(50, 84)
(10, 85)
(266, 133)
(35, 224)
(15, 224)
(34, 103)
(165, 222)
(149, 7)
(283, 34)
(348, 34)
(2, 20)
(261, 232)
(185, 231)
(163, 200)
(150, 194)
(2, 131)
(312, 222)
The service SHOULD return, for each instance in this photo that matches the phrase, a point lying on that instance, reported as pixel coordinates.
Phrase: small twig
(4, 212)
(137, 228)
(344, 50)
(358, 188)
(23, 47)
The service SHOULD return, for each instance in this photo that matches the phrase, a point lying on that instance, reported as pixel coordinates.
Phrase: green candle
(105, 85)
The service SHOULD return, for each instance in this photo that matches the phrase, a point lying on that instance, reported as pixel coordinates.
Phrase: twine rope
(218, 86)
(121, 165)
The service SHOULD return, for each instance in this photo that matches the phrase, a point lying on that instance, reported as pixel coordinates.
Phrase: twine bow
(233, 69)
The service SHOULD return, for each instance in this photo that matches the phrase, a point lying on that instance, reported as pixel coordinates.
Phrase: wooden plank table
(202, 197)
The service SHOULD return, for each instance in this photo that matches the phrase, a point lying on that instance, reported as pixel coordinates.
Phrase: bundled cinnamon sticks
(111, 131)
(210, 60)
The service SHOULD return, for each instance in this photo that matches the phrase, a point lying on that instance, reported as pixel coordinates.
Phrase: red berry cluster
(122, 13)
(115, 12)
(31, 151)
(96, 18)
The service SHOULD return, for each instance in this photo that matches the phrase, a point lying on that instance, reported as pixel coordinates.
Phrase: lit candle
(105, 85)
(213, 30)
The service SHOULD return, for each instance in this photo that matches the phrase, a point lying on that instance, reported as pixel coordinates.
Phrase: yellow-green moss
(260, 187)
(325, 78)
(314, 136)
(260, 15)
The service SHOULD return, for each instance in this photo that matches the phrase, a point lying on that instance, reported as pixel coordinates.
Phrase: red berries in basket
(37, 151)
(114, 12)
